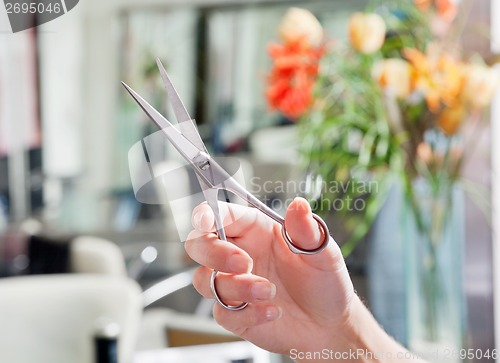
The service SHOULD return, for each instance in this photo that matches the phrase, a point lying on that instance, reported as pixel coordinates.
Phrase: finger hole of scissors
(298, 250)
(219, 300)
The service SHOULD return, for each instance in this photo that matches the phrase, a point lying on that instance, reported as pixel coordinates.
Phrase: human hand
(301, 302)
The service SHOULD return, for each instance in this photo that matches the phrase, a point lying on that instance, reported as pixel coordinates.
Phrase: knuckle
(201, 282)
(227, 319)
(213, 258)
(192, 235)
(199, 278)
(189, 244)
(219, 313)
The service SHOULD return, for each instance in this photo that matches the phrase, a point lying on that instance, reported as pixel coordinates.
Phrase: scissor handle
(298, 250)
(233, 186)
(219, 300)
(212, 201)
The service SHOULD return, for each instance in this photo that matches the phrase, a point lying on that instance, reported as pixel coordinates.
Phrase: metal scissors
(211, 176)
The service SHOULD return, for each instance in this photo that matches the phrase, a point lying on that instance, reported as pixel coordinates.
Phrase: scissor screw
(204, 165)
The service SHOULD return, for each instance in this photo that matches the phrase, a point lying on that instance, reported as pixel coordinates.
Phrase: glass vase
(433, 235)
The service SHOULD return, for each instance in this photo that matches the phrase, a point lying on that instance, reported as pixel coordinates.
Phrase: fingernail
(263, 290)
(197, 219)
(273, 313)
(301, 206)
(239, 264)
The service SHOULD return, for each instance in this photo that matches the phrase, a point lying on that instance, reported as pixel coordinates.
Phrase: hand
(301, 302)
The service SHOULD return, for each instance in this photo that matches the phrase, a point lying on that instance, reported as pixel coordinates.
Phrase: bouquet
(392, 101)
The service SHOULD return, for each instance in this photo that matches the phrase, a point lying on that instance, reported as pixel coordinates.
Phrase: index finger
(237, 219)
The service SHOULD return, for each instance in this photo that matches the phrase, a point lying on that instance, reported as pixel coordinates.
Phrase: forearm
(362, 341)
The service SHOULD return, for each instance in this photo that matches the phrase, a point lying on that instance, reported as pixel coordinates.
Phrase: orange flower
(423, 4)
(450, 119)
(437, 75)
(447, 9)
(425, 153)
(291, 80)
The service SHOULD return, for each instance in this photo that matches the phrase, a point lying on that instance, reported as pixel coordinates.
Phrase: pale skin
(298, 303)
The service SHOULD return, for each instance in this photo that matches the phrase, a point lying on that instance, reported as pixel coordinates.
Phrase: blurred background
(80, 253)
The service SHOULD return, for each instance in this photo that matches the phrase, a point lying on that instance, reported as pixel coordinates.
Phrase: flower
(295, 63)
(424, 153)
(301, 24)
(394, 75)
(480, 84)
(439, 77)
(292, 78)
(451, 119)
(423, 4)
(446, 9)
(366, 32)
(442, 15)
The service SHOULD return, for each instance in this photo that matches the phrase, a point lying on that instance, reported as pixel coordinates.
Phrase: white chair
(96, 255)
(169, 336)
(52, 318)
(160, 325)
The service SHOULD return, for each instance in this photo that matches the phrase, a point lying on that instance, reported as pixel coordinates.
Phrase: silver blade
(186, 123)
(183, 145)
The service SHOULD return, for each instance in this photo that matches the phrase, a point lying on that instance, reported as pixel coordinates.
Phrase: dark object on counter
(106, 342)
(48, 255)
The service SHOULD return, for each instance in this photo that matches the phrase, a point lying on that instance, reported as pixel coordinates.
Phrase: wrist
(359, 338)
(339, 342)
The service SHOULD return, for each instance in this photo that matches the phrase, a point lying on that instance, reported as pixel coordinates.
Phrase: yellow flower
(480, 84)
(437, 75)
(394, 75)
(298, 24)
(366, 32)
(450, 119)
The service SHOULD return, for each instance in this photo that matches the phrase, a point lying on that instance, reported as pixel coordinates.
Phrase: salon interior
(382, 114)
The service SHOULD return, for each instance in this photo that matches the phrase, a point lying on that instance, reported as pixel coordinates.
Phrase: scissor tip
(130, 90)
(160, 65)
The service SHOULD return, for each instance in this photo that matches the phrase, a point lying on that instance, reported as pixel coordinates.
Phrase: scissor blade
(186, 123)
(183, 145)
(181, 113)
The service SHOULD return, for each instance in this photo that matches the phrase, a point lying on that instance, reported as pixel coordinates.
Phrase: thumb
(306, 233)
(301, 226)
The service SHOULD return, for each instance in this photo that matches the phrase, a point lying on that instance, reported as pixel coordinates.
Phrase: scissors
(211, 176)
